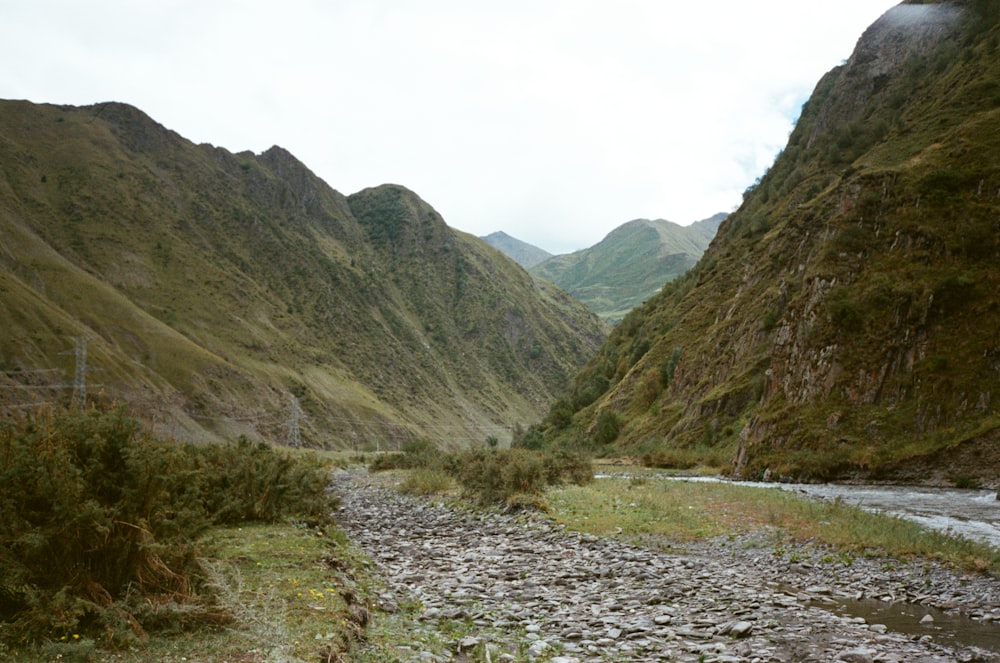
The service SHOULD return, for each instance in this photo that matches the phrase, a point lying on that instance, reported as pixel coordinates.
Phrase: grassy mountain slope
(844, 320)
(215, 286)
(524, 254)
(629, 265)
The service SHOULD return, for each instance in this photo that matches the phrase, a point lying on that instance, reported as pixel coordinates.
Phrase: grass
(683, 511)
(427, 481)
(293, 593)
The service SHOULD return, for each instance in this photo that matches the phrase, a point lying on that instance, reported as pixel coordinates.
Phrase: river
(973, 514)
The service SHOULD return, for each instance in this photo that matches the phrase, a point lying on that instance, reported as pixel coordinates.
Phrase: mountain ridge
(214, 287)
(630, 264)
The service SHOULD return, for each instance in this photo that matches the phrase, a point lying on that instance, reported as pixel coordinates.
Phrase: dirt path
(525, 589)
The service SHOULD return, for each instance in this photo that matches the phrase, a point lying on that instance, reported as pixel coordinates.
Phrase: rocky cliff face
(843, 322)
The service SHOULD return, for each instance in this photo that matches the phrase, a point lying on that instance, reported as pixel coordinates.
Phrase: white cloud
(555, 121)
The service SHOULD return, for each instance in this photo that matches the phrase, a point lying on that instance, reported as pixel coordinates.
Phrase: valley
(175, 317)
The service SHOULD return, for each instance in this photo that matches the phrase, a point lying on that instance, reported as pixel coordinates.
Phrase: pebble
(531, 588)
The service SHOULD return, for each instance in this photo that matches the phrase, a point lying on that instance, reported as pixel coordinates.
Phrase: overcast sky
(554, 121)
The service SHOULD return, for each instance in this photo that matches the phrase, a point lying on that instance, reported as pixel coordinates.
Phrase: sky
(554, 121)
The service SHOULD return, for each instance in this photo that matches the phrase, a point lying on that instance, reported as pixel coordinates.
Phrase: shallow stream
(973, 514)
(946, 628)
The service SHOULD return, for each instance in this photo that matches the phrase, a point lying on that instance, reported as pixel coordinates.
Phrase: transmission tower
(80, 375)
(294, 435)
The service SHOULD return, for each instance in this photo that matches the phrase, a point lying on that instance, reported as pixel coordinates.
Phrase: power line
(32, 371)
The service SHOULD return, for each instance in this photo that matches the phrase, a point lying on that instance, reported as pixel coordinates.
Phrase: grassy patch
(690, 511)
(291, 593)
(427, 481)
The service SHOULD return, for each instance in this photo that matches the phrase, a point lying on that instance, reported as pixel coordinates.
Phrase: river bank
(970, 513)
(522, 588)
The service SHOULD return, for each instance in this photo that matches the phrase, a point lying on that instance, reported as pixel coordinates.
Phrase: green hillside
(213, 287)
(844, 321)
(630, 265)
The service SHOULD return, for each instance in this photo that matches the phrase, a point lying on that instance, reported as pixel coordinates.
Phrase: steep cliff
(844, 320)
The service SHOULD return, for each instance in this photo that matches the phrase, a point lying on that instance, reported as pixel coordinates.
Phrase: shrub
(688, 458)
(414, 454)
(564, 466)
(426, 481)
(96, 516)
(844, 311)
(532, 438)
(560, 414)
(770, 320)
(498, 475)
(608, 426)
(668, 368)
(247, 482)
(507, 476)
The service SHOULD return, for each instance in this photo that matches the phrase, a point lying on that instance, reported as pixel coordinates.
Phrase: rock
(515, 578)
(537, 648)
(859, 655)
(737, 629)
(927, 619)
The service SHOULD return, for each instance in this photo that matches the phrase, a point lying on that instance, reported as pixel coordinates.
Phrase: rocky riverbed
(519, 587)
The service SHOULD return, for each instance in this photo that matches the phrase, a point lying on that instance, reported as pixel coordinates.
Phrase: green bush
(426, 481)
(563, 466)
(844, 311)
(96, 516)
(530, 438)
(669, 366)
(414, 454)
(608, 425)
(504, 476)
(497, 475)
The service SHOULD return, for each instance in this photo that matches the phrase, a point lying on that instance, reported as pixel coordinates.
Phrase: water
(973, 514)
(946, 628)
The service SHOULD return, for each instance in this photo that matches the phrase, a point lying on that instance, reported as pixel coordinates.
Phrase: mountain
(629, 265)
(843, 323)
(524, 254)
(222, 294)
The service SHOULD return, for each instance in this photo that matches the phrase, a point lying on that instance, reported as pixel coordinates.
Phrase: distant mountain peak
(630, 264)
(521, 252)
